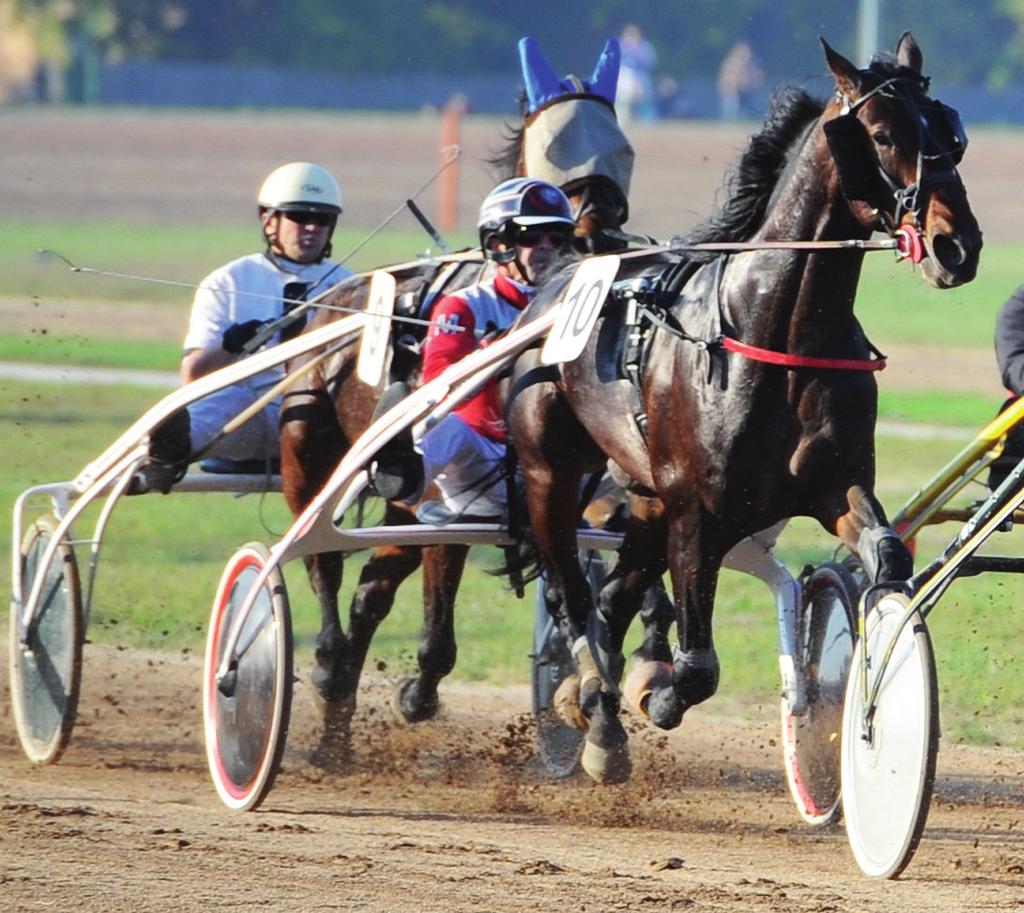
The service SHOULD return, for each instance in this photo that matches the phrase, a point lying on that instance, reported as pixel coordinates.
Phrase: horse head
(896, 152)
(571, 137)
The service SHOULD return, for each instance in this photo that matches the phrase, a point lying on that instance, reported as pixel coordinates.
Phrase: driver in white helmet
(299, 204)
(525, 226)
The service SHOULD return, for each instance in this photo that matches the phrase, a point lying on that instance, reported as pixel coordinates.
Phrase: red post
(448, 183)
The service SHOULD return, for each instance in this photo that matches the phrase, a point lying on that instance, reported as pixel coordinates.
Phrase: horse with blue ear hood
(576, 144)
(580, 146)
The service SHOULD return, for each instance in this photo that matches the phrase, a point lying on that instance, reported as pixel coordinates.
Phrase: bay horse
(333, 407)
(754, 398)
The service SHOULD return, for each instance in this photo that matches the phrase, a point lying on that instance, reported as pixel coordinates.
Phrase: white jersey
(218, 304)
(251, 288)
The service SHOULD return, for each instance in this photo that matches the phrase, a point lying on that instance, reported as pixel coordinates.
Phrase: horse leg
(633, 586)
(862, 526)
(331, 678)
(553, 514)
(416, 698)
(695, 557)
(312, 444)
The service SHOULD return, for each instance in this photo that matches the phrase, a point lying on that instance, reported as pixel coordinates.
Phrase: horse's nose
(957, 254)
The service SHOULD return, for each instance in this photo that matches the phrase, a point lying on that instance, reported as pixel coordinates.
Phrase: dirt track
(455, 815)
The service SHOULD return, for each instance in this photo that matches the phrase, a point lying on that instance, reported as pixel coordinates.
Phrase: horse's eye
(882, 138)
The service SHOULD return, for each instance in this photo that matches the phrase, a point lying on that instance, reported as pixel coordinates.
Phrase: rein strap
(756, 353)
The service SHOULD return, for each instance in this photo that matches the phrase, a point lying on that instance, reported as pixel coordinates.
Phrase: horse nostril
(948, 250)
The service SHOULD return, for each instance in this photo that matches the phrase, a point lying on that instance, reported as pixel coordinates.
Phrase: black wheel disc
(811, 742)
(558, 744)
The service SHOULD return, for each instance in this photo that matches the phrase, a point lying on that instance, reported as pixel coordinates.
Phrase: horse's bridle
(907, 198)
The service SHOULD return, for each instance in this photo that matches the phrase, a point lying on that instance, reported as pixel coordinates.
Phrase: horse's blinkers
(848, 142)
(951, 137)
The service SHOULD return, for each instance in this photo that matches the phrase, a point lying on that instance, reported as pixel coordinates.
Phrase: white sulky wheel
(810, 742)
(246, 716)
(46, 672)
(888, 763)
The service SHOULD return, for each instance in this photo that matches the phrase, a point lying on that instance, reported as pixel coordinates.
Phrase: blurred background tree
(979, 43)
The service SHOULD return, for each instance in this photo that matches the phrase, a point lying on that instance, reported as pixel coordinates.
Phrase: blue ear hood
(544, 86)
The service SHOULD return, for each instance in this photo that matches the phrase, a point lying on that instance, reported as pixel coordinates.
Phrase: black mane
(506, 160)
(751, 181)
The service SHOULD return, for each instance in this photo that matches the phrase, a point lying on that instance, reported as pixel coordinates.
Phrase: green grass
(965, 410)
(90, 352)
(174, 253)
(894, 305)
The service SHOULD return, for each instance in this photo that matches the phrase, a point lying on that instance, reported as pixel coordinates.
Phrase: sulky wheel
(46, 670)
(246, 714)
(810, 742)
(888, 755)
(558, 744)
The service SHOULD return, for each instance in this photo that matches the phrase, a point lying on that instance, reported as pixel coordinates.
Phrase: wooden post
(448, 183)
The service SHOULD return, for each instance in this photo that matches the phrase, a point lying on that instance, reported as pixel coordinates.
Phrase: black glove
(238, 334)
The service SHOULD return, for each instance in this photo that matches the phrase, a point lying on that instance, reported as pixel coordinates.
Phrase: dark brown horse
(321, 420)
(729, 442)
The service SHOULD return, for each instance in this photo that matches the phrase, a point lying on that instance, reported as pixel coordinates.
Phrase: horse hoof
(664, 708)
(644, 676)
(605, 755)
(409, 704)
(567, 702)
(606, 765)
(329, 687)
(333, 678)
(334, 751)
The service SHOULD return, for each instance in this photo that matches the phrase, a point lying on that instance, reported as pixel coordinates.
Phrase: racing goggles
(533, 235)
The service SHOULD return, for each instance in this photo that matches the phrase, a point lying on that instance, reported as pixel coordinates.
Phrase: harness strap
(664, 319)
(756, 353)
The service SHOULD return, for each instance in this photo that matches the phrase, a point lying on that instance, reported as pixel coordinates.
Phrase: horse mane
(506, 160)
(752, 179)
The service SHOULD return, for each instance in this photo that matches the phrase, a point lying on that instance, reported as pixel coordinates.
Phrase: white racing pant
(257, 439)
(467, 467)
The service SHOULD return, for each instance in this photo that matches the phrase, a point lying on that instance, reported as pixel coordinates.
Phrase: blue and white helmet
(522, 202)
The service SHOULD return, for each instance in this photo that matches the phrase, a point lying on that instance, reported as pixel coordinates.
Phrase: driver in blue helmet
(525, 226)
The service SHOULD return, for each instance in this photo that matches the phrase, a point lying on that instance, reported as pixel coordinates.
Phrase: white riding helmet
(299, 186)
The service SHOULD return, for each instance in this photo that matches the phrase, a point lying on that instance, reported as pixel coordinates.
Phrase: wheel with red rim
(246, 712)
(811, 741)
(46, 666)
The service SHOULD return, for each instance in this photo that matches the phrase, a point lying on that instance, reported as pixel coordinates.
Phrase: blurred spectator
(635, 93)
(670, 100)
(739, 78)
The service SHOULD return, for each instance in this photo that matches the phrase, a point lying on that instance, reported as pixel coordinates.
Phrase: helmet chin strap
(509, 257)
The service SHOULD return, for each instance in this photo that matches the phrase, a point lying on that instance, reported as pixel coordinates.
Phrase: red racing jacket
(479, 309)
